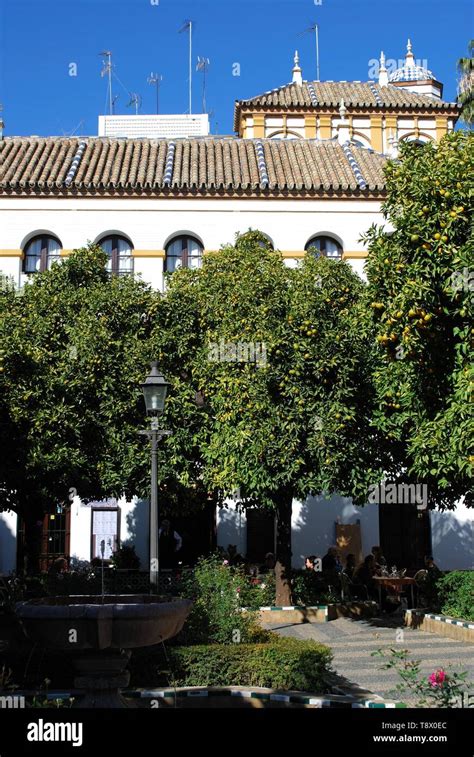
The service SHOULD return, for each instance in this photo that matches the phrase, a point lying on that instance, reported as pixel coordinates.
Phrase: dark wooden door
(405, 535)
(260, 534)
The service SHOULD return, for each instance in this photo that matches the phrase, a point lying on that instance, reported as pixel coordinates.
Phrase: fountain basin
(100, 632)
(83, 622)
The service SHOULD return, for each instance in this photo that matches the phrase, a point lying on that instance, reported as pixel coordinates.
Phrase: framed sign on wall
(105, 528)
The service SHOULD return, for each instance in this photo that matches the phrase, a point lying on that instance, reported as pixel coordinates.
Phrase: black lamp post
(154, 391)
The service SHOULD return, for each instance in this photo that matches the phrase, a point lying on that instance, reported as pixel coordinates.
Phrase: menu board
(105, 525)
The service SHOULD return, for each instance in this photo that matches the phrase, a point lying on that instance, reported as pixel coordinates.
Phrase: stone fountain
(101, 631)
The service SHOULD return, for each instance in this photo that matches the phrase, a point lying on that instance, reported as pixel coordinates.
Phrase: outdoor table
(395, 583)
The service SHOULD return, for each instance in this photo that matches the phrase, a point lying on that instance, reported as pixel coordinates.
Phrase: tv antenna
(203, 66)
(156, 79)
(135, 101)
(107, 71)
(314, 29)
(188, 26)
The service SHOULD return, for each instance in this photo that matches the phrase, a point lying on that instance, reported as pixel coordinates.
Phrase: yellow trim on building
(11, 254)
(310, 127)
(376, 133)
(354, 255)
(148, 254)
(325, 123)
(258, 125)
(293, 253)
(441, 127)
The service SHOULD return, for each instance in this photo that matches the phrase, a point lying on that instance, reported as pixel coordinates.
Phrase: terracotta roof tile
(41, 164)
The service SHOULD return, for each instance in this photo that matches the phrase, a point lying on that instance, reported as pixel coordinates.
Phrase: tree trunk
(32, 543)
(283, 507)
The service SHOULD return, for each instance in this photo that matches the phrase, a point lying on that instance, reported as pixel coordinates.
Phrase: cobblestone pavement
(352, 642)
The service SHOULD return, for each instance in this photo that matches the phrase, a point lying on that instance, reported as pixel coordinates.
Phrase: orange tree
(270, 375)
(420, 300)
(73, 350)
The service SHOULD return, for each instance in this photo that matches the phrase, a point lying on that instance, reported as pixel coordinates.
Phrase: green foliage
(74, 349)
(300, 420)
(216, 615)
(308, 588)
(466, 89)
(441, 688)
(419, 300)
(255, 593)
(287, 664)
(455, 593)
(125, 558)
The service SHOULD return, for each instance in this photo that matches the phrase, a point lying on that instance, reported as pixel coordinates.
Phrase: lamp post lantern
(154, 391)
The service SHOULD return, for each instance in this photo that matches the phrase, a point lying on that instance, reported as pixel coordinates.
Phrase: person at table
(350, 565)
(269, 564)
(380, 561)
(330, 561)
(309, 562)
(431, 568)
(364, 576)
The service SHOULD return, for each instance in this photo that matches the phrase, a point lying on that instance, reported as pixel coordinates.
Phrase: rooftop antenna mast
(107, 71)
(156, 79)
(203, 66)
(188, 25)
(314, 28)
(135, 100)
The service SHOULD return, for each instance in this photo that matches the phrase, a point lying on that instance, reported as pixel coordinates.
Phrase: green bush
(255, 593)
(282, 663)
(456, 594)
(216, 615)
(309, 588)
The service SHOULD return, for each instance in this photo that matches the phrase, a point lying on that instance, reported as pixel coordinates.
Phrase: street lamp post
(154, 391)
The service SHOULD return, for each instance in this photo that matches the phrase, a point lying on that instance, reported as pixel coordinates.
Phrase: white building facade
(306, 170)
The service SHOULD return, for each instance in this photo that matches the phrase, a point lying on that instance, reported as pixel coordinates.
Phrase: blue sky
(39, 39)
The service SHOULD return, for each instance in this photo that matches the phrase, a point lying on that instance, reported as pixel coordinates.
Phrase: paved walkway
(353, 641)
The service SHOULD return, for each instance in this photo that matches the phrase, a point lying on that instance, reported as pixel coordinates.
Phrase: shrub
(259, 592)
(456, 594)
(125, 558)
(216, 614)
(310, 588)
(282, 663)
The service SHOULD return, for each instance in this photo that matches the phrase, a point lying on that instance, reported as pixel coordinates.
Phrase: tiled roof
(200, 166)
(355, 95)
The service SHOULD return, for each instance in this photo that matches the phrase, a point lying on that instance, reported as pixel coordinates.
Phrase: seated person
(364, 576)
(350, 565)
(310, 562)
(380, 561)
(331, 560)
(269, 564)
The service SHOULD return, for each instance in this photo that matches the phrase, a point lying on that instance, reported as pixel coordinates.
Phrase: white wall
(313, 526)
(150, 223)
(452, 538)
(134, 528)
(8, 526)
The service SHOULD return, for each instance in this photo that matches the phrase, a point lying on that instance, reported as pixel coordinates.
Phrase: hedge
(283, 663)
(456, 594)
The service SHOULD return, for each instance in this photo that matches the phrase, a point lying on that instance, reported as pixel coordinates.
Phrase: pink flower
(238, 590)
(437, 678)
(226, 562)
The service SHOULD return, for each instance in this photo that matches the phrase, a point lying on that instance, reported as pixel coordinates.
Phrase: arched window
(325, 246)
(119, 254)
(183, 252)
(40, 253)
